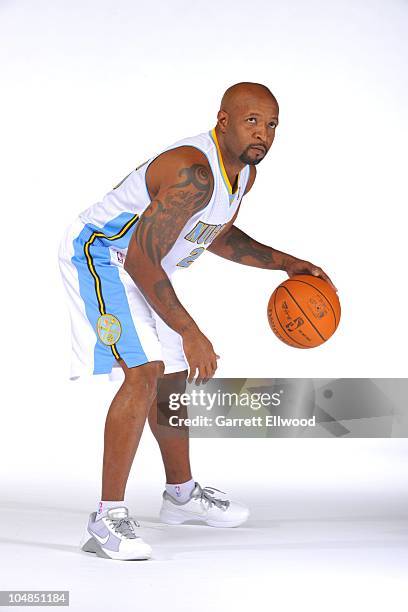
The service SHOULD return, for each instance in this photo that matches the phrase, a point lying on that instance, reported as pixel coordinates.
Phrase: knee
(144, 377)
(155, 369)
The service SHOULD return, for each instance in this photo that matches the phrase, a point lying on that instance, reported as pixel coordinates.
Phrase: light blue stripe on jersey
(113, 293)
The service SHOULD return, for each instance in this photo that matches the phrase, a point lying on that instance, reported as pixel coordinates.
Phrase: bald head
(247, 120)
(237, 95)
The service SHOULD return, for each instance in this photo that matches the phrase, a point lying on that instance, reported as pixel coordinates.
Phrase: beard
(244, 157)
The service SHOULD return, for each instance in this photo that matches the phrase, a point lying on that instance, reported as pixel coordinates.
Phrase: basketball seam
(301, 310)
(284, 330)
(321, 293)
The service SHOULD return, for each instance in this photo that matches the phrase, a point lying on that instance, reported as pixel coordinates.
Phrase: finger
(208, 373)
(332, 285)
(192, 372)
(319, 272)
(200, 375)
(328, 280)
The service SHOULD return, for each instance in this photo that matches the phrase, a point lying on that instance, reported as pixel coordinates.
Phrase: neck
(232, 164)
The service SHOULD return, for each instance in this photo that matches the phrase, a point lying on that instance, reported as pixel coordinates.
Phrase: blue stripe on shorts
(114, 296)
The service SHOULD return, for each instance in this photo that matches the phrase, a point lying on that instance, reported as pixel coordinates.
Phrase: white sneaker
(114, 537)
(203, 506)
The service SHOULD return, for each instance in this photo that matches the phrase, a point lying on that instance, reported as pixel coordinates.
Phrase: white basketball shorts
(110, 318)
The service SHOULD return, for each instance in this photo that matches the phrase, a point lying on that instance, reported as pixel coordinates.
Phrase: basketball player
(117, 261)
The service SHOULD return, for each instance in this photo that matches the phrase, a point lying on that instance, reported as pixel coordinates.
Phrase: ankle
(105, 505)
(181, 491)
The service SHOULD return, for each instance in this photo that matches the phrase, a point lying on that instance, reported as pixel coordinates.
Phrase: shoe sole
(91, 545)
(173, 519)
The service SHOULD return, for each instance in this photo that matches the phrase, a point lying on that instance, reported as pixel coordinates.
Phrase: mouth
(258, 148)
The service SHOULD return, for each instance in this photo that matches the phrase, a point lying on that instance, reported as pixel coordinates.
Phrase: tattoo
(164, 291)
(160, 225)
(243, 245)
(197, 175)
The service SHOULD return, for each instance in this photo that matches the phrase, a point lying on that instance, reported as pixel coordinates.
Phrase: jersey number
(187, 261)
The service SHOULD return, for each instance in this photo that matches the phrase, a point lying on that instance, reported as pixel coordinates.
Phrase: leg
(201, 504)
(124, 425)
(173, 443)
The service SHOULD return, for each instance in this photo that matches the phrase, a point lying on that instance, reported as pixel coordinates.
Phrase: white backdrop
(90, 89)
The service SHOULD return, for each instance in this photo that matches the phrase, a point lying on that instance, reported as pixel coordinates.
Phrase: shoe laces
(125, 527)
(207, 496)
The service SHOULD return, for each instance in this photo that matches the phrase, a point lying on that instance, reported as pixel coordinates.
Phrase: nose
(260, 133)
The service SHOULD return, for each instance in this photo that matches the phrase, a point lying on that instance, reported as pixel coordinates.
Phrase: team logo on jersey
(203, 232)
(109, 329)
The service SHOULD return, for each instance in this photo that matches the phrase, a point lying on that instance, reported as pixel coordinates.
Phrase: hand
(298, 266)
(200, 355)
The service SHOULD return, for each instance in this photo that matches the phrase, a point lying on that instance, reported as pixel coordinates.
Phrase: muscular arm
(237, 246)
(183, 183)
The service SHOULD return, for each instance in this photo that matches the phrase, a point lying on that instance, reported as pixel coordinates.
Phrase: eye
(253, 120)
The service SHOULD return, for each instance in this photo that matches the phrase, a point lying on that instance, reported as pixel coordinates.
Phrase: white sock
(181, 492)
(104, 506)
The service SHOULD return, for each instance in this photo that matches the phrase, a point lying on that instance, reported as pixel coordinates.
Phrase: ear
(223, 118)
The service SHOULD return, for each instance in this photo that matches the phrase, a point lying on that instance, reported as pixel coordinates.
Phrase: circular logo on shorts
(109, 329)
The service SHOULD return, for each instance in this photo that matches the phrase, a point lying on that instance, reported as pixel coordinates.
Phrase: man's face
(251, 129)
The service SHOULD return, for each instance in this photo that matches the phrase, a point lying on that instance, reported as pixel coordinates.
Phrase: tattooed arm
(180, 182)
(237, 246)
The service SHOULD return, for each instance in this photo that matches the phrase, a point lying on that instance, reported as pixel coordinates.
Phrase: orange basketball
(304, 311)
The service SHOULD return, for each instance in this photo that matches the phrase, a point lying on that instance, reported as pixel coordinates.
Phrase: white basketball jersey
(112, 219)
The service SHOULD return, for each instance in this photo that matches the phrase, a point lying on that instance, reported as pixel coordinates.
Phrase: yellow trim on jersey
(91, 266)
(221, 164)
